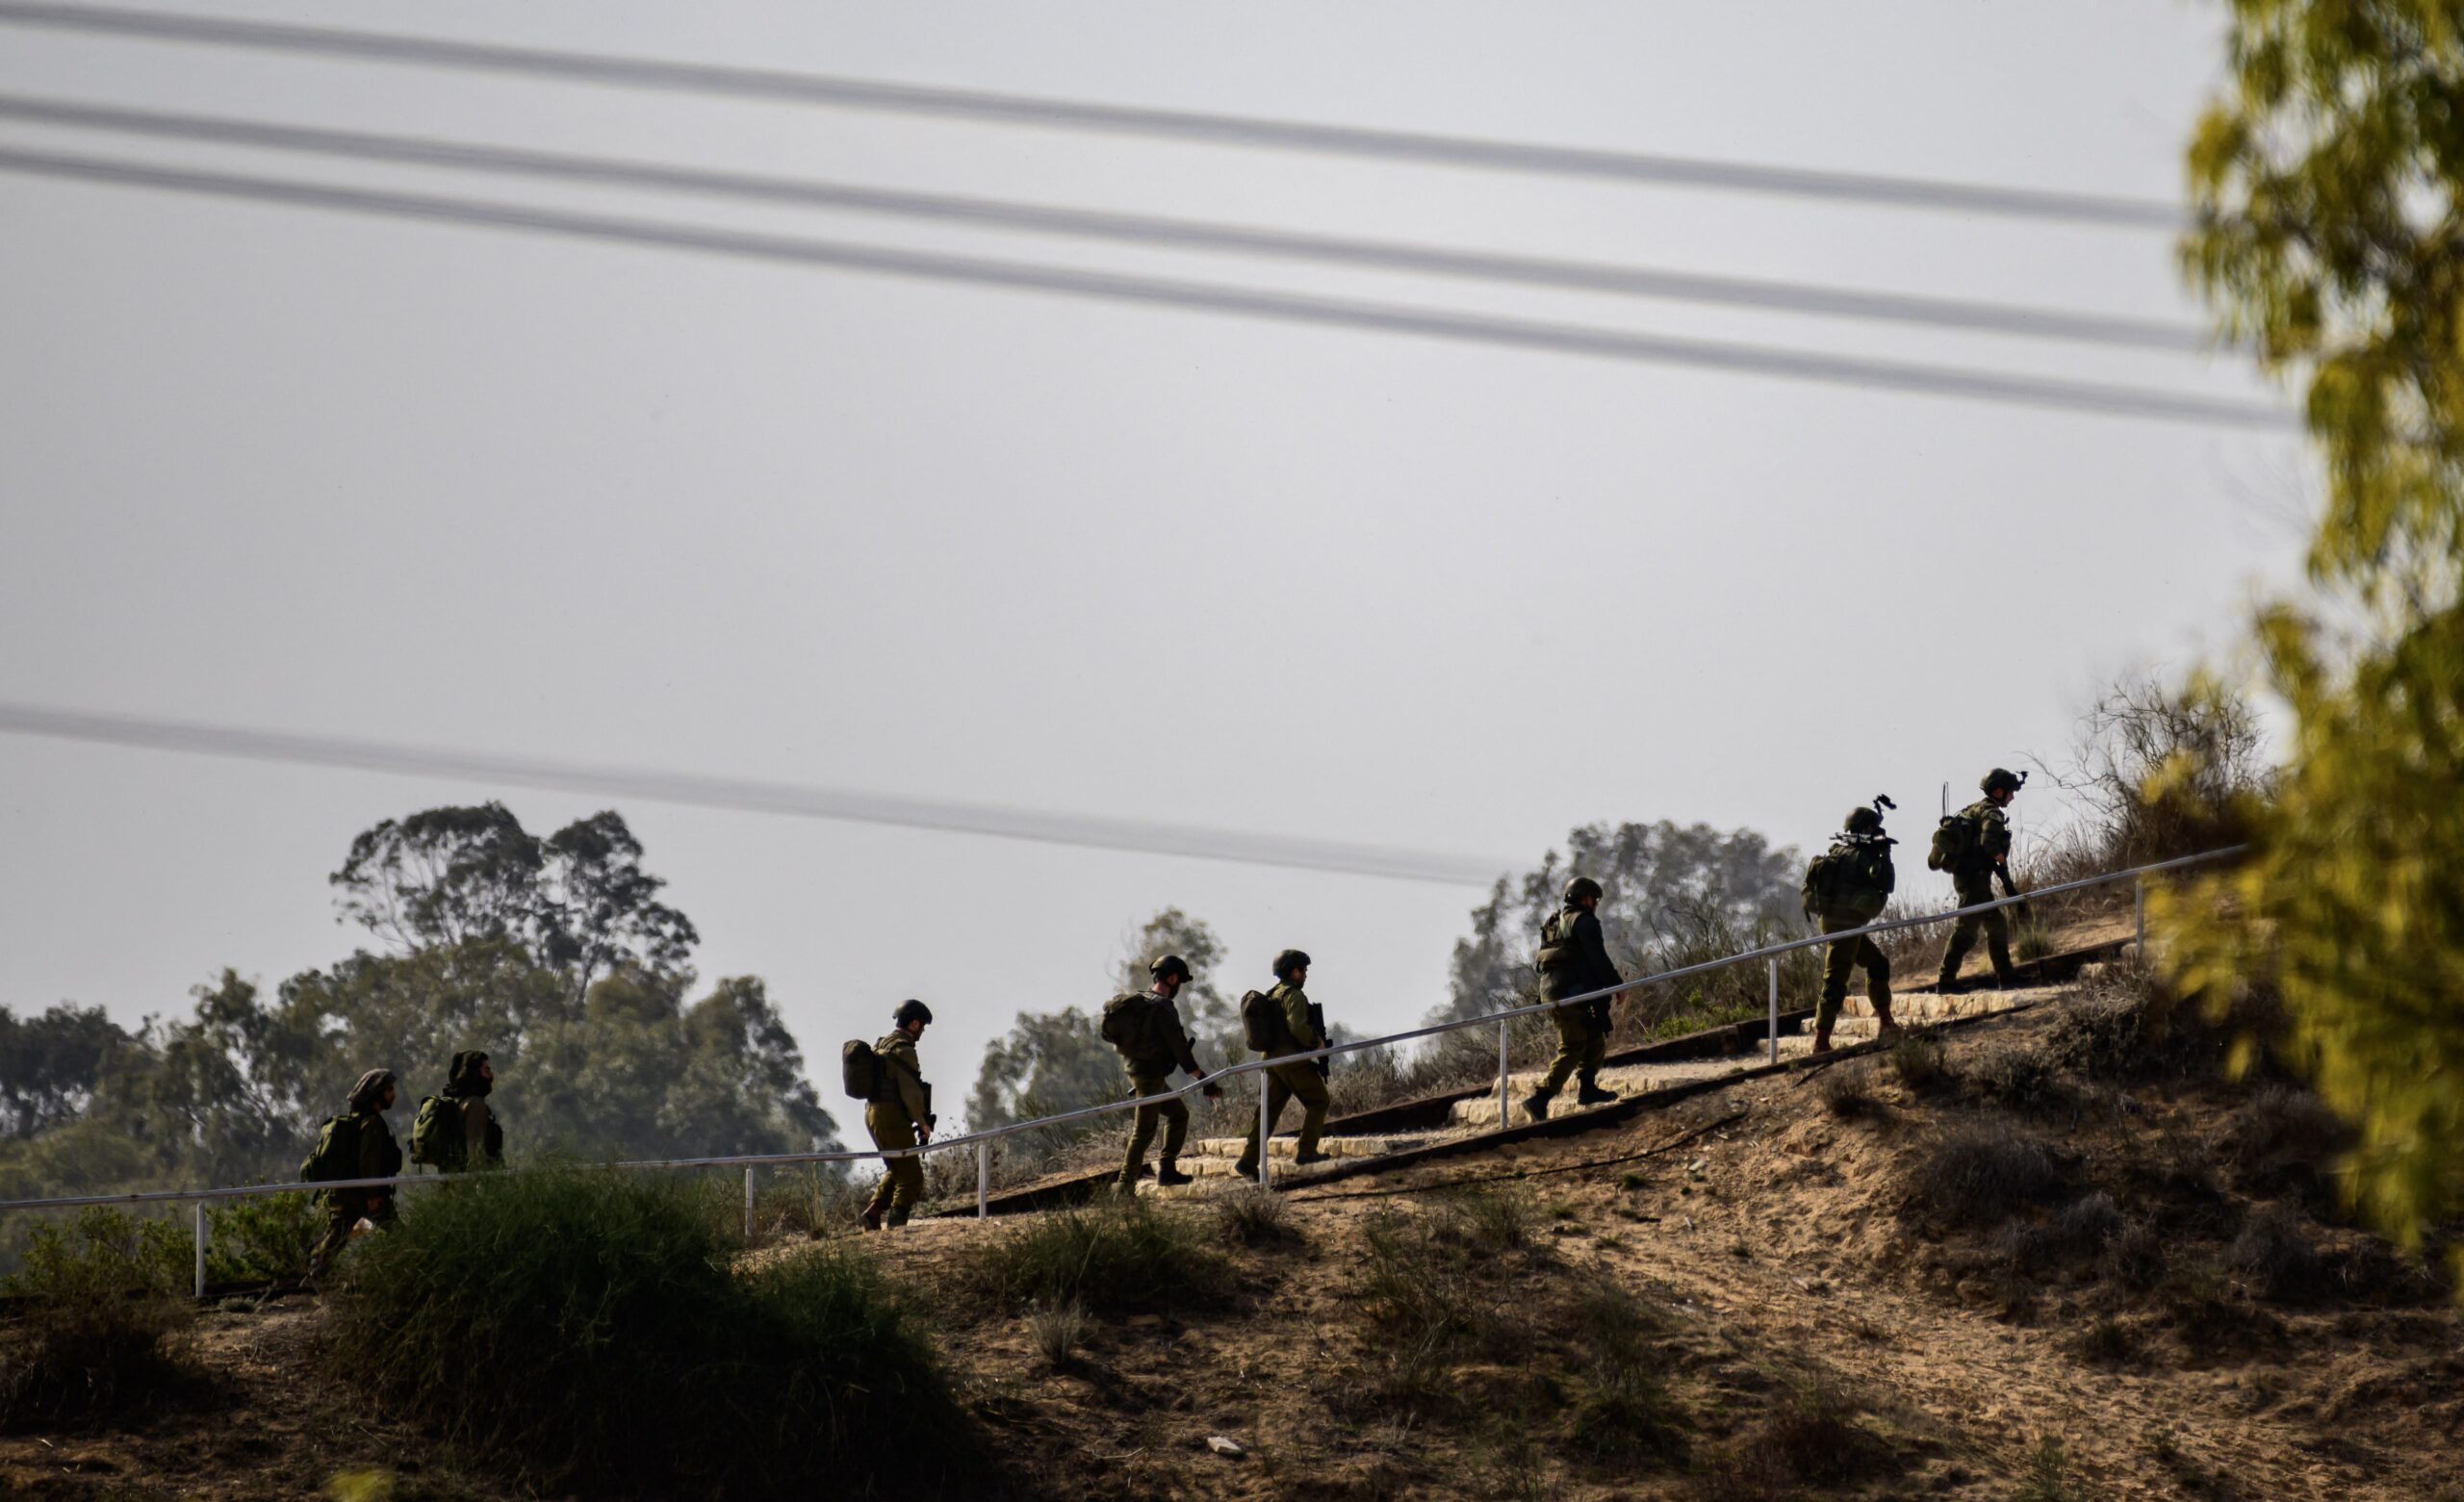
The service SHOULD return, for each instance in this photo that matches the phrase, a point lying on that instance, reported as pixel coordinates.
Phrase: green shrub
(1111, 1255)
(263, 1239)
(106, 1321)
(586, 1331)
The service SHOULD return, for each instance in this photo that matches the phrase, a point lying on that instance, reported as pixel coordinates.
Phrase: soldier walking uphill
(1146, 1028)
(1974, 845)
(456, 1132)
(1573, 960)
(356, 1144)
(1846, 887)
(899, 1114)
(1285, 1021)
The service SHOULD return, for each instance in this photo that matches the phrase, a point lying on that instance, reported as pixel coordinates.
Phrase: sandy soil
(1778, 1248)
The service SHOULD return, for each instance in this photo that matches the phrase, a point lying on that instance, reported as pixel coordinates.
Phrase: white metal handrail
(983, 1140)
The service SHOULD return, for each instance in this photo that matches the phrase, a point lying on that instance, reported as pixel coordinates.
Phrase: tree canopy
(552, 955)
(2330, 179)
(1670, 893)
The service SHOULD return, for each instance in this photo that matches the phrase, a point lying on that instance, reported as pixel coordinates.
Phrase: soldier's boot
(1170, 1173)
(1312, 1156)
(1535, 1105)
(1245, 1168)
(2006, 977)
(1822, 1040)
(869, 1218)
(1884, 1029)
(896, 1217)
(1587, 1092)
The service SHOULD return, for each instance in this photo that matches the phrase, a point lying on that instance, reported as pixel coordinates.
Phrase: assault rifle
(1324, 1062)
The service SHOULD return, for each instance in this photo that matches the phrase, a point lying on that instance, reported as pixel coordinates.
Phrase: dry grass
(1254, 1217)
(1058, 1330)
(1977, 1174)
(1115, 1255)
(1923, 1065)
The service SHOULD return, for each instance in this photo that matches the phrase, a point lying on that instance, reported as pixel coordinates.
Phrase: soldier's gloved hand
(1212, 1091)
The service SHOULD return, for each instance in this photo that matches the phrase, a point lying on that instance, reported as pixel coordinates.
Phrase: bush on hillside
(585, 1331)
(1111, 1255)
(107, 1322)
(263, 1239)
(1980, 1173)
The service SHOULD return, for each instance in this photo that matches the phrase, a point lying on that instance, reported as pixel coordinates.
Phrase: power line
(1970, 384)
(1144, 835)
(1223, 130)
(1128, 228)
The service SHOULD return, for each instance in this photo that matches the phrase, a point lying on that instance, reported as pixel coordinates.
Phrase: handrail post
(2139, 895)
(983, 1177)
(200, 1207)
(1502, 1066)
(748, 1203)
(1265, 1174)
(1775, 1009)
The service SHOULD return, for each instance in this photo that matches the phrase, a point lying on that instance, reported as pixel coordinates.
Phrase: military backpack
(436, 1133)
(1263, 1026)
(438, 1139)
(1556, 942)
(336, 1155)
(1955, 839)
(860, 1071)
(1129, 1023)
(1850, 882)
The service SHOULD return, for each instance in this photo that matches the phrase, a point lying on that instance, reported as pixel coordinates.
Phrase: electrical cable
(1169, 234)
(2101, 210)
(1095, 831)
(1964, 383)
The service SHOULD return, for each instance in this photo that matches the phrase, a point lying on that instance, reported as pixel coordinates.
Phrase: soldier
(1146, 1028)
(1974, 845)
(1847, 888)
(1573, 958)
(356, 1144)
(457, 1131)
(900, 1116)
(1299, 1023)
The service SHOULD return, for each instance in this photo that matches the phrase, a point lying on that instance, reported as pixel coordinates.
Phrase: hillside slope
(2056, 1256)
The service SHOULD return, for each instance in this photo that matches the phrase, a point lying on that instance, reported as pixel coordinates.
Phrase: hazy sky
(279, 467)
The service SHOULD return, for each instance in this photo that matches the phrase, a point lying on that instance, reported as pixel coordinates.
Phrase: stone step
(1226, 1149)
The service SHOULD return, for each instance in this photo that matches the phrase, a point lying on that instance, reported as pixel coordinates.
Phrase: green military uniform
(1147, 1028)
(1299, 1082)
(375, 1155)
(1838, 961)
(906, 1102)
(1848, 888)
(1579, 950)
(1972, 879)
(478, 1138)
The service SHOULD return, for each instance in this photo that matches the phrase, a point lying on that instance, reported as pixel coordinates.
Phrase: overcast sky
(279, 467)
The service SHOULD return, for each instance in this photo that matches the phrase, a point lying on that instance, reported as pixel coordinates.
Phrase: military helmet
(1579, 888)
(1168, 966)
(2001, 778)
(912, 1010)
(1289, 960)
(1864, 819)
